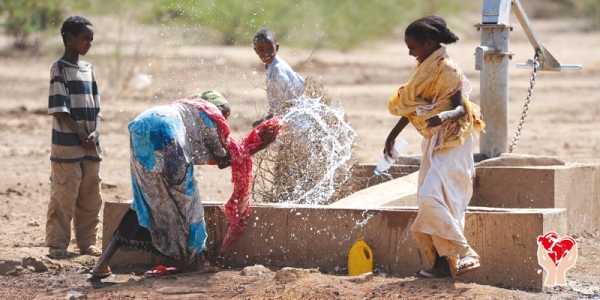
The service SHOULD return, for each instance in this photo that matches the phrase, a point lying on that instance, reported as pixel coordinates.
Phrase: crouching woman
(167, 215)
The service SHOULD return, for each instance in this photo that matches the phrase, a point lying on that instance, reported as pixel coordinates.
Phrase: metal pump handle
(547, 62)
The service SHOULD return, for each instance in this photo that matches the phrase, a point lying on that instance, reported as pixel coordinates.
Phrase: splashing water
(313, 164)
(309, 115)
(365, 220)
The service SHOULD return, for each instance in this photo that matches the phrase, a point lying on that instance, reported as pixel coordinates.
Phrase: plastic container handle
(368, 250)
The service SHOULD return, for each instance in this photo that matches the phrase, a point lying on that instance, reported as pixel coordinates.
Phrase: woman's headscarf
(211, 96)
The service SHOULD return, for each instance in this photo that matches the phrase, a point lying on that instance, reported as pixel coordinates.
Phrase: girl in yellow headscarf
(434, 100)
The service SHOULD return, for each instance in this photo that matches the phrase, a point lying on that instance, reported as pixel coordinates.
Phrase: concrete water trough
(564, 200)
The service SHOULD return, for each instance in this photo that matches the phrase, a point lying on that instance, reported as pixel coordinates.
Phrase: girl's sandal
(435, 272)
(431, 273)
(467, 264)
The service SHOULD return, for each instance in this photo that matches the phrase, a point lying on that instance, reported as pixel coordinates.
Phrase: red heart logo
(557, 248)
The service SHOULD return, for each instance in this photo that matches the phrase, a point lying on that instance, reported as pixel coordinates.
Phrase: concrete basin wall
(364, 176)
(320, 237)
(575, 187)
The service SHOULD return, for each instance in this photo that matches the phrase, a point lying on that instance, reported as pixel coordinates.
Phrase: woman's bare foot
(101, 271)
(204, 266)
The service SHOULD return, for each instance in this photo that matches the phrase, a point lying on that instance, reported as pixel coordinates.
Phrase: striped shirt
(73, 90)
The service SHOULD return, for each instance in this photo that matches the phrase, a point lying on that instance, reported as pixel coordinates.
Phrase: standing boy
(283, 84)
(74, 103)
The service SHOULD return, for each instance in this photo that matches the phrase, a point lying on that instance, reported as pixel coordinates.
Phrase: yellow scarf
(427, 92)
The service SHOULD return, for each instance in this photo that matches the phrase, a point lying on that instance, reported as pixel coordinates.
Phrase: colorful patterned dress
(167, 216)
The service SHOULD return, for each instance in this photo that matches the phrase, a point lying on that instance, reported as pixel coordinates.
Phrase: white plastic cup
(386, 161)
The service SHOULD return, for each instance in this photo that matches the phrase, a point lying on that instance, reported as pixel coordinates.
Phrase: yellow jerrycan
(360, 258)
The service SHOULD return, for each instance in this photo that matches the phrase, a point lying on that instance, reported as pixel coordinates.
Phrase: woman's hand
(263, 145)
(267, 133)
(223, 161)
(257, 122)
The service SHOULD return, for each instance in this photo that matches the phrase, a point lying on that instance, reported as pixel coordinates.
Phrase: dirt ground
(562, 121)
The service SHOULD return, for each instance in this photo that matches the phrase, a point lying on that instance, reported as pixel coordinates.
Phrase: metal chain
(515, 139)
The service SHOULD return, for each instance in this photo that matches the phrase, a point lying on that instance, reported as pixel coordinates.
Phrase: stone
(74, 295)
(38, 265)
(293, 274)
(256, 270)
(33, 223)
(18, 271)
(7, 266)
(361, 278)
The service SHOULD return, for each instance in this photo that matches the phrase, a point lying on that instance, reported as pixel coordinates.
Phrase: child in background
(280, 78)
(433, 100)
(74, 104)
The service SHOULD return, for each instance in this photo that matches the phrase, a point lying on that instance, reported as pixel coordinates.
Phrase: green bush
(24, 18)
(301, 22)
(233, 22)
(589, 9)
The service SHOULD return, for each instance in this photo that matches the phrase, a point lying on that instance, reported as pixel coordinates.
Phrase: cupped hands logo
(556, 255)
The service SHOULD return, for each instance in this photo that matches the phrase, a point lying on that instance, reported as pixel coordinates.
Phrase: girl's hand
(436, 120)
(391, 139)
(389, 144)
(456, 113)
